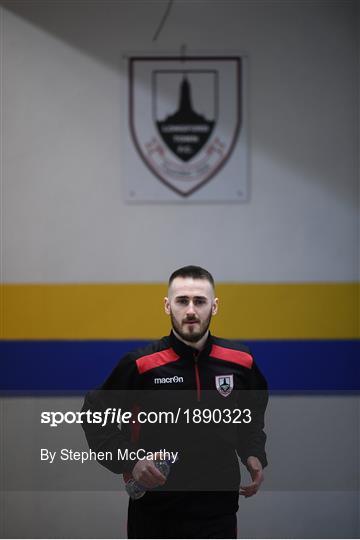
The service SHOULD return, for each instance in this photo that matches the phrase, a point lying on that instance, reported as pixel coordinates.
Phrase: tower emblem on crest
(185, 132)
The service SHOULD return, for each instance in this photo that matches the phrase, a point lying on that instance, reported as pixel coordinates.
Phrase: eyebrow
(184, 297)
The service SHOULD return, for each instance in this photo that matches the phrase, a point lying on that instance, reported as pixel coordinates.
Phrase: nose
(190, 309)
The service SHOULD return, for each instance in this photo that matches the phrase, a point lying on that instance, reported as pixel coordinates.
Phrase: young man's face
(191, 304)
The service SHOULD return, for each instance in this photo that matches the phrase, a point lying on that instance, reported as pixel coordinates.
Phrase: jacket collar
(183, 349)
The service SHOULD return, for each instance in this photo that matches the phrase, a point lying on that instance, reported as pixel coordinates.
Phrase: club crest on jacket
(224, 384)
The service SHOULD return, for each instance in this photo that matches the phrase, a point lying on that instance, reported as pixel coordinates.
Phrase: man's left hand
(256, 472)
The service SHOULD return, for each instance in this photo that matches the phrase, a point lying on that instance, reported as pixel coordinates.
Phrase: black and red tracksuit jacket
(167, 375)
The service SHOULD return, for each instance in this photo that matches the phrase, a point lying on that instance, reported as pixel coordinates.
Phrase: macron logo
(164, 380)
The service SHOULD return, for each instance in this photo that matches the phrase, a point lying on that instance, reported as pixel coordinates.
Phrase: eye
(182, 301)
(200, 301)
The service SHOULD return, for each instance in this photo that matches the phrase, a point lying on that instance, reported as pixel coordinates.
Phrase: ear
(215, 306)
(167, 305)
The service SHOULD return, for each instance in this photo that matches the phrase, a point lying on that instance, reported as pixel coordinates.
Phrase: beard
(191, 335)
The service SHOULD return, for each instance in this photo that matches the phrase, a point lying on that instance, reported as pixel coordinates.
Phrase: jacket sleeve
(117, 392)
(251, 435)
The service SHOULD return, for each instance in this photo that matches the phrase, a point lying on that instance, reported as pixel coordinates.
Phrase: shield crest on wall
(185, 116)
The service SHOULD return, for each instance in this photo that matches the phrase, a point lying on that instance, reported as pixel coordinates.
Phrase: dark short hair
(195, 272)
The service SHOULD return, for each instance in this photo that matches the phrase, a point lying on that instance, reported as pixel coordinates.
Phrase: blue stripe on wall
(60, 367)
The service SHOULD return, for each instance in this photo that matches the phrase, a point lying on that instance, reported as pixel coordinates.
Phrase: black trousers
(155, 524)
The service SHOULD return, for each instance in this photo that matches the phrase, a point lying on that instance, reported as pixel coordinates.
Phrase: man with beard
(199, 498)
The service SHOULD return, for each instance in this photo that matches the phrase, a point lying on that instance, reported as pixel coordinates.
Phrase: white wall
(63, 115)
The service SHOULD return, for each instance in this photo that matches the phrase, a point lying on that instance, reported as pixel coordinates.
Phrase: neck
(198, 345)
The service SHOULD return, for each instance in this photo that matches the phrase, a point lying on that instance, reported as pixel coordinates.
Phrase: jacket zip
(197, 378)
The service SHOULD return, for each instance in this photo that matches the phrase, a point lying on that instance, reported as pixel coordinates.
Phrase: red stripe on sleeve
(238, 357)
(151, 361)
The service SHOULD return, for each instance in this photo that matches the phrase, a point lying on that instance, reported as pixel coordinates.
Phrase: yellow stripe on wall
(135, 311)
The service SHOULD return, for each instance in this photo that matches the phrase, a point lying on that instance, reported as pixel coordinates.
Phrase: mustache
(191, 319)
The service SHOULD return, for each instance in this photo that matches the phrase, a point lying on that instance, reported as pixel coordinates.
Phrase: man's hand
(256, 472)
(147, 474)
